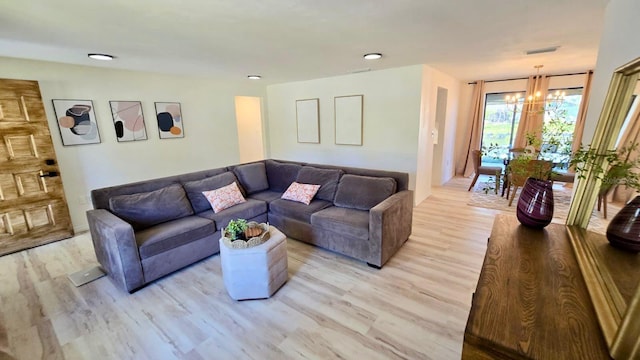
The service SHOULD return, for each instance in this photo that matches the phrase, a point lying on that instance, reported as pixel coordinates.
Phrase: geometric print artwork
(76, 121)
(128, 120)
(169, 116)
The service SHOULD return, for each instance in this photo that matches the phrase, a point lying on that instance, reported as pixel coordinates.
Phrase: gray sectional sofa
(142, 231)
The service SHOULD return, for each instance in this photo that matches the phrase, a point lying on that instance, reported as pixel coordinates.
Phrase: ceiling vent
(542, 51)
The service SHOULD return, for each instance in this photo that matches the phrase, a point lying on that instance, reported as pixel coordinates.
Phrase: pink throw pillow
(224, 197)
(301, 192)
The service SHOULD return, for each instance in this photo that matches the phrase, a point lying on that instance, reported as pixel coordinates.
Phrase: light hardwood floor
(416, 307)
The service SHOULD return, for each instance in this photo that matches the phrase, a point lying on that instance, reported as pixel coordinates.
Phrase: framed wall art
(76, 122)
(307, 119)
(348, 119)
(169, 116)
(128, 120)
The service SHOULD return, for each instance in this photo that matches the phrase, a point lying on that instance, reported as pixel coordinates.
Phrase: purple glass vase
(535, 204)
(623, 231)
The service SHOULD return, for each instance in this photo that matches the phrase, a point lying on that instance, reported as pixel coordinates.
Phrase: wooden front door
(33, 210)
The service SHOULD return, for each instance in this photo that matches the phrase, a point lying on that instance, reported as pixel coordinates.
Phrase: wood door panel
(29, 183)
(12, 109)
(21, 146)
(33, 209)
(28, 187)
(28, 148)
(35, 109)
(41, 215)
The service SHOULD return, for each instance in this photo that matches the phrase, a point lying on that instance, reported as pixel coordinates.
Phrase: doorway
(438, 136)
(249, 122)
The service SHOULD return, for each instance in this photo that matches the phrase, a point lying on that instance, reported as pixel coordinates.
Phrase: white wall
(618, 45)
(209, 125)
(391, 112)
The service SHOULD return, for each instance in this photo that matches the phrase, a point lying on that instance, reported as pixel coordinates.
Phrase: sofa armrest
(116, 249)
(390, 225)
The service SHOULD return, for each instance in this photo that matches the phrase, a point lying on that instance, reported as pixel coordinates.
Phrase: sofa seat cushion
(253, 177)
(363, 192)
(246, 210)
(280, 174)
(327, 178)
(195, 189)
(143, 210)
(351, 222)
(266, 195)
(296, 210)
(172, 234)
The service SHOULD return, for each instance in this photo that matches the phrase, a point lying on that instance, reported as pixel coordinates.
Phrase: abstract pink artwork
(128, 120)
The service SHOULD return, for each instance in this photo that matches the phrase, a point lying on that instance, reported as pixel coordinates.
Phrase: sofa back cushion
(100, 197)
(326, 178)
(281, 175)
(143, 210)
(253, 177)
(195, 189)
(363, 192)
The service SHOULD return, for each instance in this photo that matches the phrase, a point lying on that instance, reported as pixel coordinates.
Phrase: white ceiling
(289, 40)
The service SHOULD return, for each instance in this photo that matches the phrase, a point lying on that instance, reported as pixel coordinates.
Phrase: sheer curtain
(532, 116)
(473, 135)
(582, 113)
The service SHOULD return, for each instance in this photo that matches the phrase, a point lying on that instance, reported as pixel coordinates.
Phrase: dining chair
(603, 194)
(612, 178)
(484, 170)
(520, 171)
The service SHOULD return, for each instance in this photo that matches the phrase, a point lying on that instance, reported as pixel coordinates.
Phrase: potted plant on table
(235, 230)
(240, 233)
(622, 168)
(535, 204)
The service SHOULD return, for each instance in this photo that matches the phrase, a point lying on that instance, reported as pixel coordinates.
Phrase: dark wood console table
(531, 301)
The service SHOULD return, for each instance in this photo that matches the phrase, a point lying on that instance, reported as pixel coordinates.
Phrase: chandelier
(553, 99)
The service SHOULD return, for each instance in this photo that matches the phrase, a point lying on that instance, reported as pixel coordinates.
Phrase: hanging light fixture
(556, 98)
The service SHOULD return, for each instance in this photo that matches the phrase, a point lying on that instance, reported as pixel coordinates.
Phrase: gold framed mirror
(616, 302)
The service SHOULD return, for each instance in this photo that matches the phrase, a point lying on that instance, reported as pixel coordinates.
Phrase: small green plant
(492, 150)
(490, 185)
(533, 139)
(526, 165)
(235, 229)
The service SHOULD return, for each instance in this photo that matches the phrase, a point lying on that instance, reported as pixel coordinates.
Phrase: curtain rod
(525, 78)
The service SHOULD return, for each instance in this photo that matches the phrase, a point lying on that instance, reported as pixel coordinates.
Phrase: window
(559, 124)
(628, 118)
(500, 126)
(501, 122)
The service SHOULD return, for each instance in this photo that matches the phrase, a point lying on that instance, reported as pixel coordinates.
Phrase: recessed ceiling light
(254, 77)
(372, 56)
(105, 57)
